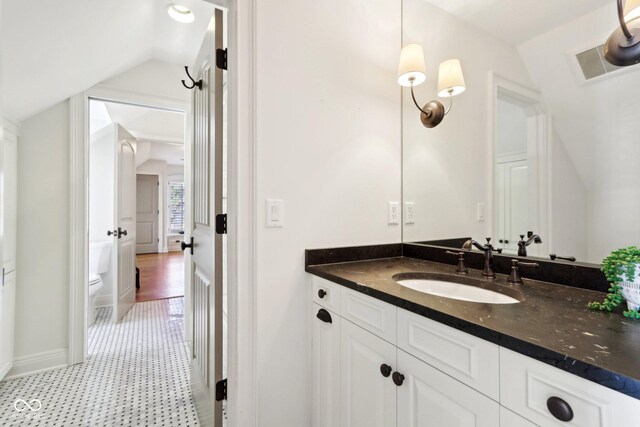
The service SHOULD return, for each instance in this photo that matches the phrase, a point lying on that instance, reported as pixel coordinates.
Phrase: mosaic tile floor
(137, 374)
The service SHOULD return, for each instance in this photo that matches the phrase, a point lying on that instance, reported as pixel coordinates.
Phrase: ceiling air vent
(593, 64)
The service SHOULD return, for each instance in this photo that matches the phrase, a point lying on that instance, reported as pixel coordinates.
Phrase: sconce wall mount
(623, 45)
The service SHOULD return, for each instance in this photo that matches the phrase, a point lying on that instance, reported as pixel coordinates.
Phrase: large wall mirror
(545, 141)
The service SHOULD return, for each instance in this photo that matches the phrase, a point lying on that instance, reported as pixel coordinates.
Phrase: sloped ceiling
(160, 132)
(515, 21)
(55, 49)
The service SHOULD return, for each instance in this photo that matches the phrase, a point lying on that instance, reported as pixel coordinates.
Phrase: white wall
(42, 252)
(152, 77)
(102, 199)
(446, 169)
(569, 222)
(598, 125)
(328, 120)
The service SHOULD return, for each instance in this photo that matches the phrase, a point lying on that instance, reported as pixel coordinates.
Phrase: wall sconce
(412, 72)
(623, 45)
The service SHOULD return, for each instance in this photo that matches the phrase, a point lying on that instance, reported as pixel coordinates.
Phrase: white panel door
(430, 398)
(513, 203)
(7, 322)
(205, 255)
(326, 367)
(124, 295)
(147, 214)
(368, 397)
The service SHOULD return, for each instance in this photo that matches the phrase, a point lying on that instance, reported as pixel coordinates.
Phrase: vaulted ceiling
(55, 49)
(517, 21)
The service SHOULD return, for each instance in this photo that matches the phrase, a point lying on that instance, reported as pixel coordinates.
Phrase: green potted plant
(622, 269)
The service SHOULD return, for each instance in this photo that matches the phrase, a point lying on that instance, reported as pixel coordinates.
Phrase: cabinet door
(430, 398)
(7, 313)
(509, 419)
(368, 397)
(326, 367)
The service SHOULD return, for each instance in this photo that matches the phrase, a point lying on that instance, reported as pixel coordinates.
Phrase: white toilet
(99, 263)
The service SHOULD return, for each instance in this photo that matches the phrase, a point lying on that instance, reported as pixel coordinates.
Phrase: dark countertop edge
(351, 253)
(596, 374)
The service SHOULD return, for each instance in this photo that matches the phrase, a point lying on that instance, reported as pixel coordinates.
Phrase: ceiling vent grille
(593, 64)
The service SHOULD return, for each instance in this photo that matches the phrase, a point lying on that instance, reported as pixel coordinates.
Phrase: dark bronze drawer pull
(559, 408)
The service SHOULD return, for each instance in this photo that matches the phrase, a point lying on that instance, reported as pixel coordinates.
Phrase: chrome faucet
(488, 255)
(522, 244)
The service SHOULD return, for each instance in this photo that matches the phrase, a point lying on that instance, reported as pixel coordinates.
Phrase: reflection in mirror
(545, 141)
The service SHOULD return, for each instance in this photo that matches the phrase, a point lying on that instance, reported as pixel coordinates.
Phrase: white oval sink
(457, 291)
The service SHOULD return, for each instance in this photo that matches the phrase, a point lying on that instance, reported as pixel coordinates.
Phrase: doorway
(136, 211)
(519, 168)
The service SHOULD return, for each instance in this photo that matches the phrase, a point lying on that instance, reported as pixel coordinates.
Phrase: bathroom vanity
(388, 355)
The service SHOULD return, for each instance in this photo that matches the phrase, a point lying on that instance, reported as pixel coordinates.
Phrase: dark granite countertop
(552, 324)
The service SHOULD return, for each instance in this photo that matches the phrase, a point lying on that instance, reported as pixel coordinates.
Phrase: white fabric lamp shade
(450, 79)
(411, 70)
(631, 10)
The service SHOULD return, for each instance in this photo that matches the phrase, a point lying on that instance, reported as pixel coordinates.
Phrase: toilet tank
(100, 256)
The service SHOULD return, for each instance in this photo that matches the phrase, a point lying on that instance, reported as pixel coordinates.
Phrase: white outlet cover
(393, 213)
(409, 213)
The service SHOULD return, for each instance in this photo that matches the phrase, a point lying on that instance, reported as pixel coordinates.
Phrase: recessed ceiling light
(181, 13)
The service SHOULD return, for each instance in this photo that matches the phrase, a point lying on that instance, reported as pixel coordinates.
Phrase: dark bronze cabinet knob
(112, 233)
(322, 293)
(398, 378)
(559, 408)
(385, 370)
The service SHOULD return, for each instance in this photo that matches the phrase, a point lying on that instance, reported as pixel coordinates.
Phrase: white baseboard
(104, 301)
(36, 363)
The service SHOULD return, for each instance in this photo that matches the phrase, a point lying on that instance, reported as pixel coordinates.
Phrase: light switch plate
(393, 213)
(480, 212)
(409, 212)
(275, 213)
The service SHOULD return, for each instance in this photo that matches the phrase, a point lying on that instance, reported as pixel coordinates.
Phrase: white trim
(108, 93)
(540, 158)
(242, 208)
(78, 228)
(11, 127)
(36, 363)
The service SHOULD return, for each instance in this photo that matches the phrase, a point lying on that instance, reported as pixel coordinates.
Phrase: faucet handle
(461, 268)
(514, 276)
(488, 240)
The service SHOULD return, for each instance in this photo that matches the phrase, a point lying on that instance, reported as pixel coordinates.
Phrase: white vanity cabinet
(381, 385)
(326, 367)
(430, 398)
(378, 365)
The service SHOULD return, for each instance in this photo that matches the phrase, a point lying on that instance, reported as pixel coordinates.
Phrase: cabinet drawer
(470, 360)
(326, 293)
(374, 315)
(526, 385)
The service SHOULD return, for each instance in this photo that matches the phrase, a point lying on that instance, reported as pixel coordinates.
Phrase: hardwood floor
(161, 276)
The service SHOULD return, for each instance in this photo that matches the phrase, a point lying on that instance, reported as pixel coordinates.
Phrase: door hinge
(221, 390)
(221, 58)
(221, 224)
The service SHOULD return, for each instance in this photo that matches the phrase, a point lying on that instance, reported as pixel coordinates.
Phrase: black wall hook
(193, 82)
